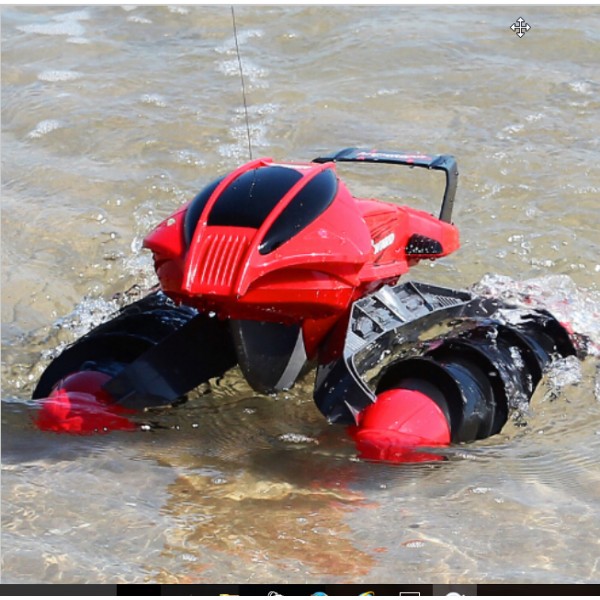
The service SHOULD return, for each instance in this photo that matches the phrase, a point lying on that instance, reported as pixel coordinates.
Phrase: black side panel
(110, 345)
(154, 350)
(91, 353)
(191, 355)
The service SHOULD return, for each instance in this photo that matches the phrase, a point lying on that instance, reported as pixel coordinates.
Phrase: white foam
(72, 29)
(558, 294)
(231, 68)
(155, 99)
(89, 313)
(534, 117)
(385, 92)
(581, 87)
(239, 150)
(297, 438)
(58, 75)
(141, 20)
(268, 108)
(564, 372)
(75, 15)
(178, 10)
(44, 127)
(189, 157)
(228, 47)
(67, 24)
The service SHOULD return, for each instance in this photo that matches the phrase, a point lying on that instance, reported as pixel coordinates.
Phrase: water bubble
(86, 315)
(534, 117)
(154, 99)
(581, 87)
(297, 438)
(44, 127)
(66, 24)
(562, 372)
(55, 75)
(517, 358)
(558, 294)
(138, 19)
(189, 557)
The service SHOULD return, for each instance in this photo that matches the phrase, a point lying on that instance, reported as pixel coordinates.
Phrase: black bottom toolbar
(304, 590)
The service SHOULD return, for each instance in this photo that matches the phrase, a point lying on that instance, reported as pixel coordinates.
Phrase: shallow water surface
(114, 116)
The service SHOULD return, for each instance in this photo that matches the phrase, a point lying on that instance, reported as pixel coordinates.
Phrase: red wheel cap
(79, 405)
(397, 424)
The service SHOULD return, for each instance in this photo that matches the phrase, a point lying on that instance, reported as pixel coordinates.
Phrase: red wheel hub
(78, 404)
(398, 423)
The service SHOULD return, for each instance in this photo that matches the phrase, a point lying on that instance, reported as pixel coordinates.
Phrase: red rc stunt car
(276, 267)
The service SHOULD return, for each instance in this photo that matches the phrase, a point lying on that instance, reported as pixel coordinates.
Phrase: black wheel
(109, 347)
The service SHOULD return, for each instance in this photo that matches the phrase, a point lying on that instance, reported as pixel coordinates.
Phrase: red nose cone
(397, 423)
(78, 404)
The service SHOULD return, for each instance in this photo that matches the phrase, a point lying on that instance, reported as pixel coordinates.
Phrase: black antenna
(237, 50)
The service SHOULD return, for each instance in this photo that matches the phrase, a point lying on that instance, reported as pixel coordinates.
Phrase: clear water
(112, 117)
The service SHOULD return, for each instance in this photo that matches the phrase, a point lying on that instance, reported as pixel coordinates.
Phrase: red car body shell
(353, 247)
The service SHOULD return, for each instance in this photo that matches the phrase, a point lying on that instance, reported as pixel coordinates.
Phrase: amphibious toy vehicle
(277, 268)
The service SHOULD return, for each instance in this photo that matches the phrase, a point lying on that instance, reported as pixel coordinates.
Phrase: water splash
(579, 308)
(44, 127)
(563, 372)
(140, 20)
(67, 24)
(88, 313)
(55, 75)
(297, 438)
(154, 99)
